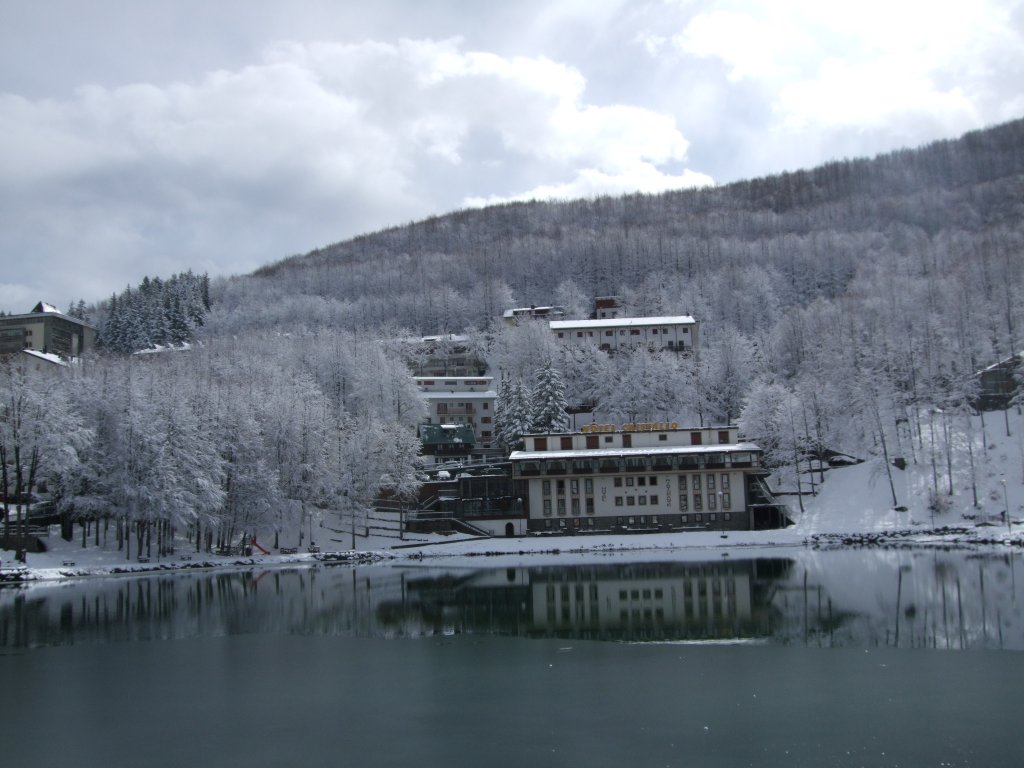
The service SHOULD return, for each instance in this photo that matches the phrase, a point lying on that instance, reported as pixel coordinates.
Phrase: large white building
(676, 333)
(638, 477)
(461, 400)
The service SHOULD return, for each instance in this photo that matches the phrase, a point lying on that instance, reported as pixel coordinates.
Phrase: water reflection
(920, 599)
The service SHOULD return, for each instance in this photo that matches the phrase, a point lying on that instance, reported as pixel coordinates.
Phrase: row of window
(634, 500)
(698, 501)
(685, 481)
(574, 506)
(641, 521)
(622, 332)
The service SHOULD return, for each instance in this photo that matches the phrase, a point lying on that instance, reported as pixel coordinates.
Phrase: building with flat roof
(46, 329)
(675, 334)
(642, 478)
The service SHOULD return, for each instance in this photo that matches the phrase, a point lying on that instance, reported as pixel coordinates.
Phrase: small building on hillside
(607, 307)
(46, 329)
(461, 400)
(997, 385)
(675, 334)
(518, 314)
(634, 478)
(446, 355)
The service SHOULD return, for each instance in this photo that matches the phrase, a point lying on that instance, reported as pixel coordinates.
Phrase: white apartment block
(674, 333)
(461, 400)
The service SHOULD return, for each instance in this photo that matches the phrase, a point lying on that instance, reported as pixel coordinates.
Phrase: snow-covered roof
(600, 453)
(619, 322)
(527, 311)
(42, 306)
(47, 356)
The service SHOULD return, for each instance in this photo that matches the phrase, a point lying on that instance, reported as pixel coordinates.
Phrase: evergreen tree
(549, 401)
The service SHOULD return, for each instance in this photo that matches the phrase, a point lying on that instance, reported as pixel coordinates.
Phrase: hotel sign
(654, 426)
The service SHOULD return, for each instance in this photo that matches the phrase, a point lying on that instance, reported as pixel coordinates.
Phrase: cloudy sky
(148, 137)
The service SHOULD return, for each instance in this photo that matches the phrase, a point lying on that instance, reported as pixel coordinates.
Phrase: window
(579, 334)
(682, 482)
(725, 482)
(711, 482)
(697, 519)
(442, 408)
(547, 523)
(696, 482)
(629, 482)
(726, 516)
(712, 501)
(641, 481)
(662, 438)
(609, 333)
(561, 506)
(726, 501)
(695, 438)
(588, 485)
(643, 501)
(618, 501)
(540, 443)
(711, 517)
(698, 501)
(607, 438)
(545, 487)
(560, 486)
(617, 482)
(682, 518)
(634, 332)
(683, 503)
(654, 499)
(565, 443)
(653, 480)
(655, 331)
(590, 506)
(561, 335)
(630, 501)
(574, 487)
(723, 436)
(547, 507)
(485, 419)
(487, 406)
(575, 506)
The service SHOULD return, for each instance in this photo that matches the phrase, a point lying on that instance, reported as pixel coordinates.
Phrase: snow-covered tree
(548, 397)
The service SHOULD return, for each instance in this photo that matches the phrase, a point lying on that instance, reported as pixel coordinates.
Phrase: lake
(846, 657)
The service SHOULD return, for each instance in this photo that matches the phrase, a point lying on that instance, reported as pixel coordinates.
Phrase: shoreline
(100, 563)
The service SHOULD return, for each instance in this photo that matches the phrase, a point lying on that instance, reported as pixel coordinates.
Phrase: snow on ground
(852, 501)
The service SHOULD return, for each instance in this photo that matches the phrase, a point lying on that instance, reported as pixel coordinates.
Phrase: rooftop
(619, 322)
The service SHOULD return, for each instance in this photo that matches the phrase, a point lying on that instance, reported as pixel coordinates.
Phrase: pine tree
(517, 410)
(549, 413)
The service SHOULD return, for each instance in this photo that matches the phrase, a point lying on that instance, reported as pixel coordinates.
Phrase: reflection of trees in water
(903, 598)
(846, 598)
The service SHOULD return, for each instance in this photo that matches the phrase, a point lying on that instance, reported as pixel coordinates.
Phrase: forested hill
(740, 255)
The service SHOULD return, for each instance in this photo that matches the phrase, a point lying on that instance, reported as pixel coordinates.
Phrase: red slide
(257, 545)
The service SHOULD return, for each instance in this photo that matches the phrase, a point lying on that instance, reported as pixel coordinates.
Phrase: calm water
(846, 658)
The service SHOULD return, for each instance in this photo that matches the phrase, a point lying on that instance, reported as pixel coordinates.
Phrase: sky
(145, 137)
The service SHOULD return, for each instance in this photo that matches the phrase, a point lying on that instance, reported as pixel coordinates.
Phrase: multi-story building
(676, 334)
(640, 477)
(46, 329)
(460, 400)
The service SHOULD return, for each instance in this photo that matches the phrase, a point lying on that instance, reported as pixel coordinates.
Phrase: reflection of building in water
(660, 601)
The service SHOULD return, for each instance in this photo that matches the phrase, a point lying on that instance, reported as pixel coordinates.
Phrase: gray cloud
(219, 137)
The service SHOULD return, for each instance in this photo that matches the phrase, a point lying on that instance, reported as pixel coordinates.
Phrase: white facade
(675, 333)
(637, 477)
(461, 400)
(515, 315)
